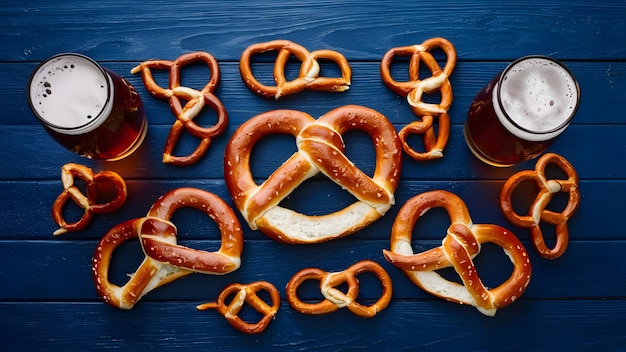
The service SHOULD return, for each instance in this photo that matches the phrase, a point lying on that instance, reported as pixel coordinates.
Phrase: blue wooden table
(47, 296)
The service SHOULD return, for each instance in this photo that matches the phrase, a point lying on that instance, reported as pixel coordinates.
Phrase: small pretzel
(165, 260)
(195, 102)
(309, 70)
(433, 143)
(538, 212)
(334, 298)
(459, 247)
(414, 89)
(320, 149)
(88, 202)
(246, 294)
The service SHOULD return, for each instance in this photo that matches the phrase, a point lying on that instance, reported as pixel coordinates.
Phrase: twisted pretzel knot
(459, 247)
(538, 212)
(334, 298)
(320, 149)
(165, 260)
(195, 102)
(88, 202)
(414, 89)
(246, 293)
(309, 70)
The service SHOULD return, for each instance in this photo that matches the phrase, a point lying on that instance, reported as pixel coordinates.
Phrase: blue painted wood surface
(47, 298)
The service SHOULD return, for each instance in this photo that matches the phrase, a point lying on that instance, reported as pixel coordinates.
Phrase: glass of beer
(87, 108)
(522, 111)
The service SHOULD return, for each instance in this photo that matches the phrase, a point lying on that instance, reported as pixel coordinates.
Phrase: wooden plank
(61, 269)
(45, 157)
(603, 88)
(417, 325)
(490, 30)
(33, 221)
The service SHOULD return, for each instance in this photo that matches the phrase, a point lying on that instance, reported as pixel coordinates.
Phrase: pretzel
(195, 102)
(165, 260)
(320, 149)
(309, 70)
(414, 89)
(246, 293)
(88, 202)
(538, 212)
(334, 298)
(461, 244)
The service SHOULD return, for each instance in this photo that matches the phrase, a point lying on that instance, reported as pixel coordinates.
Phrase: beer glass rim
(555, 61)
(97, 120)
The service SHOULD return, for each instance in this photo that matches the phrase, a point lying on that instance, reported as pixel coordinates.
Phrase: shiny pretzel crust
(164, 259)
(538, 212)
(335, 298)
(246, 293)
(459, 247)
(320, 149)
(88, 202)
(309, 70)
(195, 101)
(415, 88)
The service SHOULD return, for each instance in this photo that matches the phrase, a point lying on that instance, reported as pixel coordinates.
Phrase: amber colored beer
(87, 108)
(522, 111)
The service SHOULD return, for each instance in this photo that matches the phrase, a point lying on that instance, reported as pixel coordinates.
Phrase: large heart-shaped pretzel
(538, 211)
(195, 102)
(246, 293)
(165, 260)
(309, 70)
(320, 149)
(88, 202)
(414, 89)
(461, 244)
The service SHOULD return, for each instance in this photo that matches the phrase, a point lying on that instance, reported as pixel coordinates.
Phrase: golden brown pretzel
(414, 89)
(320, 149)
(433, 143)
(195, 102)
(334, 298)
(165, 260)
(461, 244)
(88, 202)
(246, 293)
(538, 213)
(309, 70)
(149, 275)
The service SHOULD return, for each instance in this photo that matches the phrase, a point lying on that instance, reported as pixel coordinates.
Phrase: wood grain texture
(64, 272)
(48, 301)
(458, 163)
(159, 29)
(429, 324)
(603, 88)
(407, 326)
(316, 197)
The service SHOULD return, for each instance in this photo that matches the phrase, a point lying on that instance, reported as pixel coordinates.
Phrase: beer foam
(538, 95)
(71, 91)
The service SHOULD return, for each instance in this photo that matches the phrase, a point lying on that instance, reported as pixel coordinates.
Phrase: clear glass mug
(87, 108)
(522, 111)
